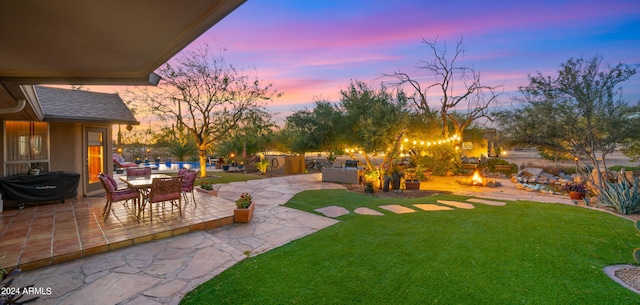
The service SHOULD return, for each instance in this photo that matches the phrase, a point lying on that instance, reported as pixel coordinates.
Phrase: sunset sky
(312, 49)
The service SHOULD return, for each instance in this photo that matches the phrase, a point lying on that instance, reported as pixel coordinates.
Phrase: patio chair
(163, 190)
(182, 171)
(188, 181)
(139, 172)
(114, 195)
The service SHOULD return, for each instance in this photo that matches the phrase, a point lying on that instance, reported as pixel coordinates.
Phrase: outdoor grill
(50, 186)
(351, 164)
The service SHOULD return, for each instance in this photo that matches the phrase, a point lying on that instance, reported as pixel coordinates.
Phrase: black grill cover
(49, 186)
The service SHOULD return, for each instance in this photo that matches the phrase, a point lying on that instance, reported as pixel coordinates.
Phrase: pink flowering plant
(244, 201)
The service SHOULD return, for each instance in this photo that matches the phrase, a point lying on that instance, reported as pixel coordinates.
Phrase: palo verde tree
(580, 111)
(374, 120)
(318, 129)
(463, 98)
(207, 96)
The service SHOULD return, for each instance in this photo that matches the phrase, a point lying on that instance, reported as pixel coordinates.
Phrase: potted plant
(577, 191)
(244, 208)
(207, 187)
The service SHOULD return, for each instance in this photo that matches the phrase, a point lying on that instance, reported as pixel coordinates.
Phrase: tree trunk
(367, 161)
(202, 155)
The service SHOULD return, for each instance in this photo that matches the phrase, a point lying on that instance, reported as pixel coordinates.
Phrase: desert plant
(10, 294)
(386, 182)
(621, 196)
(396, 177)
(263, 165)
(368, 188)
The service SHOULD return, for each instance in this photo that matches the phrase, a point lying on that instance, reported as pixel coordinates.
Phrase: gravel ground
(631, 276)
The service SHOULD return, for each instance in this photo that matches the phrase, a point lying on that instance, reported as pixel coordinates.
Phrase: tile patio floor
(46, 234)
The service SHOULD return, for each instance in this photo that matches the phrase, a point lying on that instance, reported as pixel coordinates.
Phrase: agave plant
(11, 294)
(621, 195)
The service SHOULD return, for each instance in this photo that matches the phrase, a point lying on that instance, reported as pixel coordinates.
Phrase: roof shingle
(63, 105)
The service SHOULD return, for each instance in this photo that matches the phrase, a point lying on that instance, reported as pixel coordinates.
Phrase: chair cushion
(125, 194)
(165, 197)
(112, 181)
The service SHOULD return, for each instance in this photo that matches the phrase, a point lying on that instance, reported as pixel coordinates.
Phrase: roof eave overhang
(60, 119)
(149, 80)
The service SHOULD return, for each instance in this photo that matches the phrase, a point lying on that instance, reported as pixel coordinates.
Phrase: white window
(26, 146)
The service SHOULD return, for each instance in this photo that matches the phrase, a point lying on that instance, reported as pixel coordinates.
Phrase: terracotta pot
(412, 184)
(577, 195)
(243, 215)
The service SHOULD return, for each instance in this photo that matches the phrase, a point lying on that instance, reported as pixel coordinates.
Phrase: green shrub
(636, 255)
(490, 164)
(441, 159)
(557, 169)
(617, 168)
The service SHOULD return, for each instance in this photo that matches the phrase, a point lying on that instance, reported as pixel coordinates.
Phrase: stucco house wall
(70, 114)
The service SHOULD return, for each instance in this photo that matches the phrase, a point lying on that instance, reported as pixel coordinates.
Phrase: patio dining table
(142, 184)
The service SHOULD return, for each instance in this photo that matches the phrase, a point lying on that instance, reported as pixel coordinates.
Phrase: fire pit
(478, 180)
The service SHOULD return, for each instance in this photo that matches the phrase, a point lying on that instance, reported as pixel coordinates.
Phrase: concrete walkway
(162, 271)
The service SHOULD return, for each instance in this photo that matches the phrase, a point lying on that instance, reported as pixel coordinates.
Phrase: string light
(453, 138)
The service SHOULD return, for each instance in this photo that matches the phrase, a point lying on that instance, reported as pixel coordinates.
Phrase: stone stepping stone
(333, 211)
(457, 204)
(488, 202)
(432, 207)
(398, 209)
(367, 211)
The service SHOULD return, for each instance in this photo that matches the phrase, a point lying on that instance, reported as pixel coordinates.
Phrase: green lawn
(522, 253)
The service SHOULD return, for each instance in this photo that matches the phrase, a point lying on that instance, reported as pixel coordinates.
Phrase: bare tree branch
(207, 96)
(455, 85)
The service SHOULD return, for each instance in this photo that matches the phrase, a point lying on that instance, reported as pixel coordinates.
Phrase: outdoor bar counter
(350, 173)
